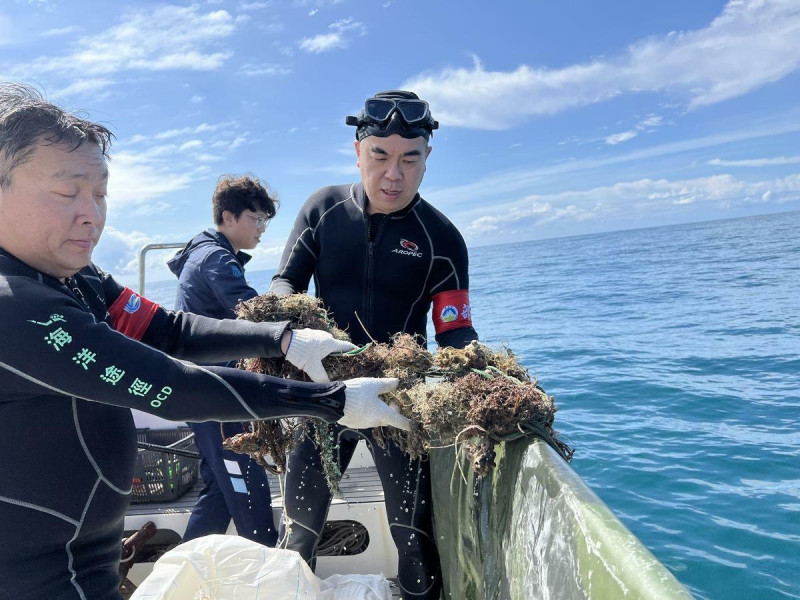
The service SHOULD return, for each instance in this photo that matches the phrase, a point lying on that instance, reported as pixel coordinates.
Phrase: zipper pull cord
(73, 286)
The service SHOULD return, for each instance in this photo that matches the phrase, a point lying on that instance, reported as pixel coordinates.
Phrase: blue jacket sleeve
(226, 279)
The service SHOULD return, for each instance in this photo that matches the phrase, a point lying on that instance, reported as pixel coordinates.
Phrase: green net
(531, 529)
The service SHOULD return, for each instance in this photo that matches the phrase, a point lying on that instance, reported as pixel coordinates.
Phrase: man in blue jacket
(211, 282)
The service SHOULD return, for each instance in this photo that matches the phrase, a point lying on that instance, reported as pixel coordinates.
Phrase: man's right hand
(308, 347)
(364, 409)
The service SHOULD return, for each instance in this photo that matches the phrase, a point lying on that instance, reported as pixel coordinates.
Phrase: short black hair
(27, 120)
(238, 194)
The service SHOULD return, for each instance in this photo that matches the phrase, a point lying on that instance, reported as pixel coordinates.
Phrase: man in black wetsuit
(79, 350)
(380, 256)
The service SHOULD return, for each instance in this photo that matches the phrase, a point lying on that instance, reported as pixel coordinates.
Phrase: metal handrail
(145, 250)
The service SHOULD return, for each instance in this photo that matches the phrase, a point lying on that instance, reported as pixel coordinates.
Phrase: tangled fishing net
(480, 397)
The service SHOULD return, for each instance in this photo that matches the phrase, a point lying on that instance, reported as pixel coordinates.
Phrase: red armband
(451, 310)
(131, 314)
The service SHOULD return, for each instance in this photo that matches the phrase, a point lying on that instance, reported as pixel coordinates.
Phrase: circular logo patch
(408, 245)
(449, 313)
(133, 304)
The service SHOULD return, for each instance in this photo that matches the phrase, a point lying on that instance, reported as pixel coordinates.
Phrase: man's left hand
(309, 346)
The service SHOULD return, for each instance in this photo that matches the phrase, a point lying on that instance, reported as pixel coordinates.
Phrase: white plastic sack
(227, 567)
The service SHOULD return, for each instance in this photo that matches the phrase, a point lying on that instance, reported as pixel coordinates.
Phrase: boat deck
(359, 485)
(362, 501)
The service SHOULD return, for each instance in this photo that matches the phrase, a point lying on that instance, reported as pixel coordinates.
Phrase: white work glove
(309, 346)
(363, 408)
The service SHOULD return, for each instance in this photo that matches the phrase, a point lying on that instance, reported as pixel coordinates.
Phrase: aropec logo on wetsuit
(408, 248)
(133, 304)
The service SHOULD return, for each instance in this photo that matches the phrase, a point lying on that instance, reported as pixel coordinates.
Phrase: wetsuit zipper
(71, 284)
(72, 288)
(77, 291)
(370, 266)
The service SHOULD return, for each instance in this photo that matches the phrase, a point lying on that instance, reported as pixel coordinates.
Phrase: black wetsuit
(74, 358)
(386, 271)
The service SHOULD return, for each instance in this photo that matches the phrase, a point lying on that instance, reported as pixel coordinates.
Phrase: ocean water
(674, 357)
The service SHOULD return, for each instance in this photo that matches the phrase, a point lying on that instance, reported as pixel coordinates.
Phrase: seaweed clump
(472, 397)
(482, 398)
(269, 442)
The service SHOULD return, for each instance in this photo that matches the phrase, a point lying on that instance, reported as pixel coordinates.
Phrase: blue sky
(557, 118)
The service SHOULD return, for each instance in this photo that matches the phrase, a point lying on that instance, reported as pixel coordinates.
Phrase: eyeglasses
(412, 111)
(258, 221)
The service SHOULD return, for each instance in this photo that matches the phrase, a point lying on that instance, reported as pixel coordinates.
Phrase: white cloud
(190, 145)
(85, 86)
(146, 170)
(171, 133)
(496, 186)
(338, 37)
(167, 37)
(313, 12)
(751, 43)
(644, 200)
(483, 225)
(196, 99)
(61, 31)
(263, 70)
(757, 162)
(247, 6)
(323, 42)
(651, 122)
(137, 179)
(648, 124)
(265, 255)
(239, 141)
(118, 252)
(207, 158)
(618, 138)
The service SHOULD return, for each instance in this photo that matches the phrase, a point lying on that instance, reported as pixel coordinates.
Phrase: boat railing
(143, 252)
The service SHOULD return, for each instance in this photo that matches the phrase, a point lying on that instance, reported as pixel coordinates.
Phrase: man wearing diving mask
(380, 256)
